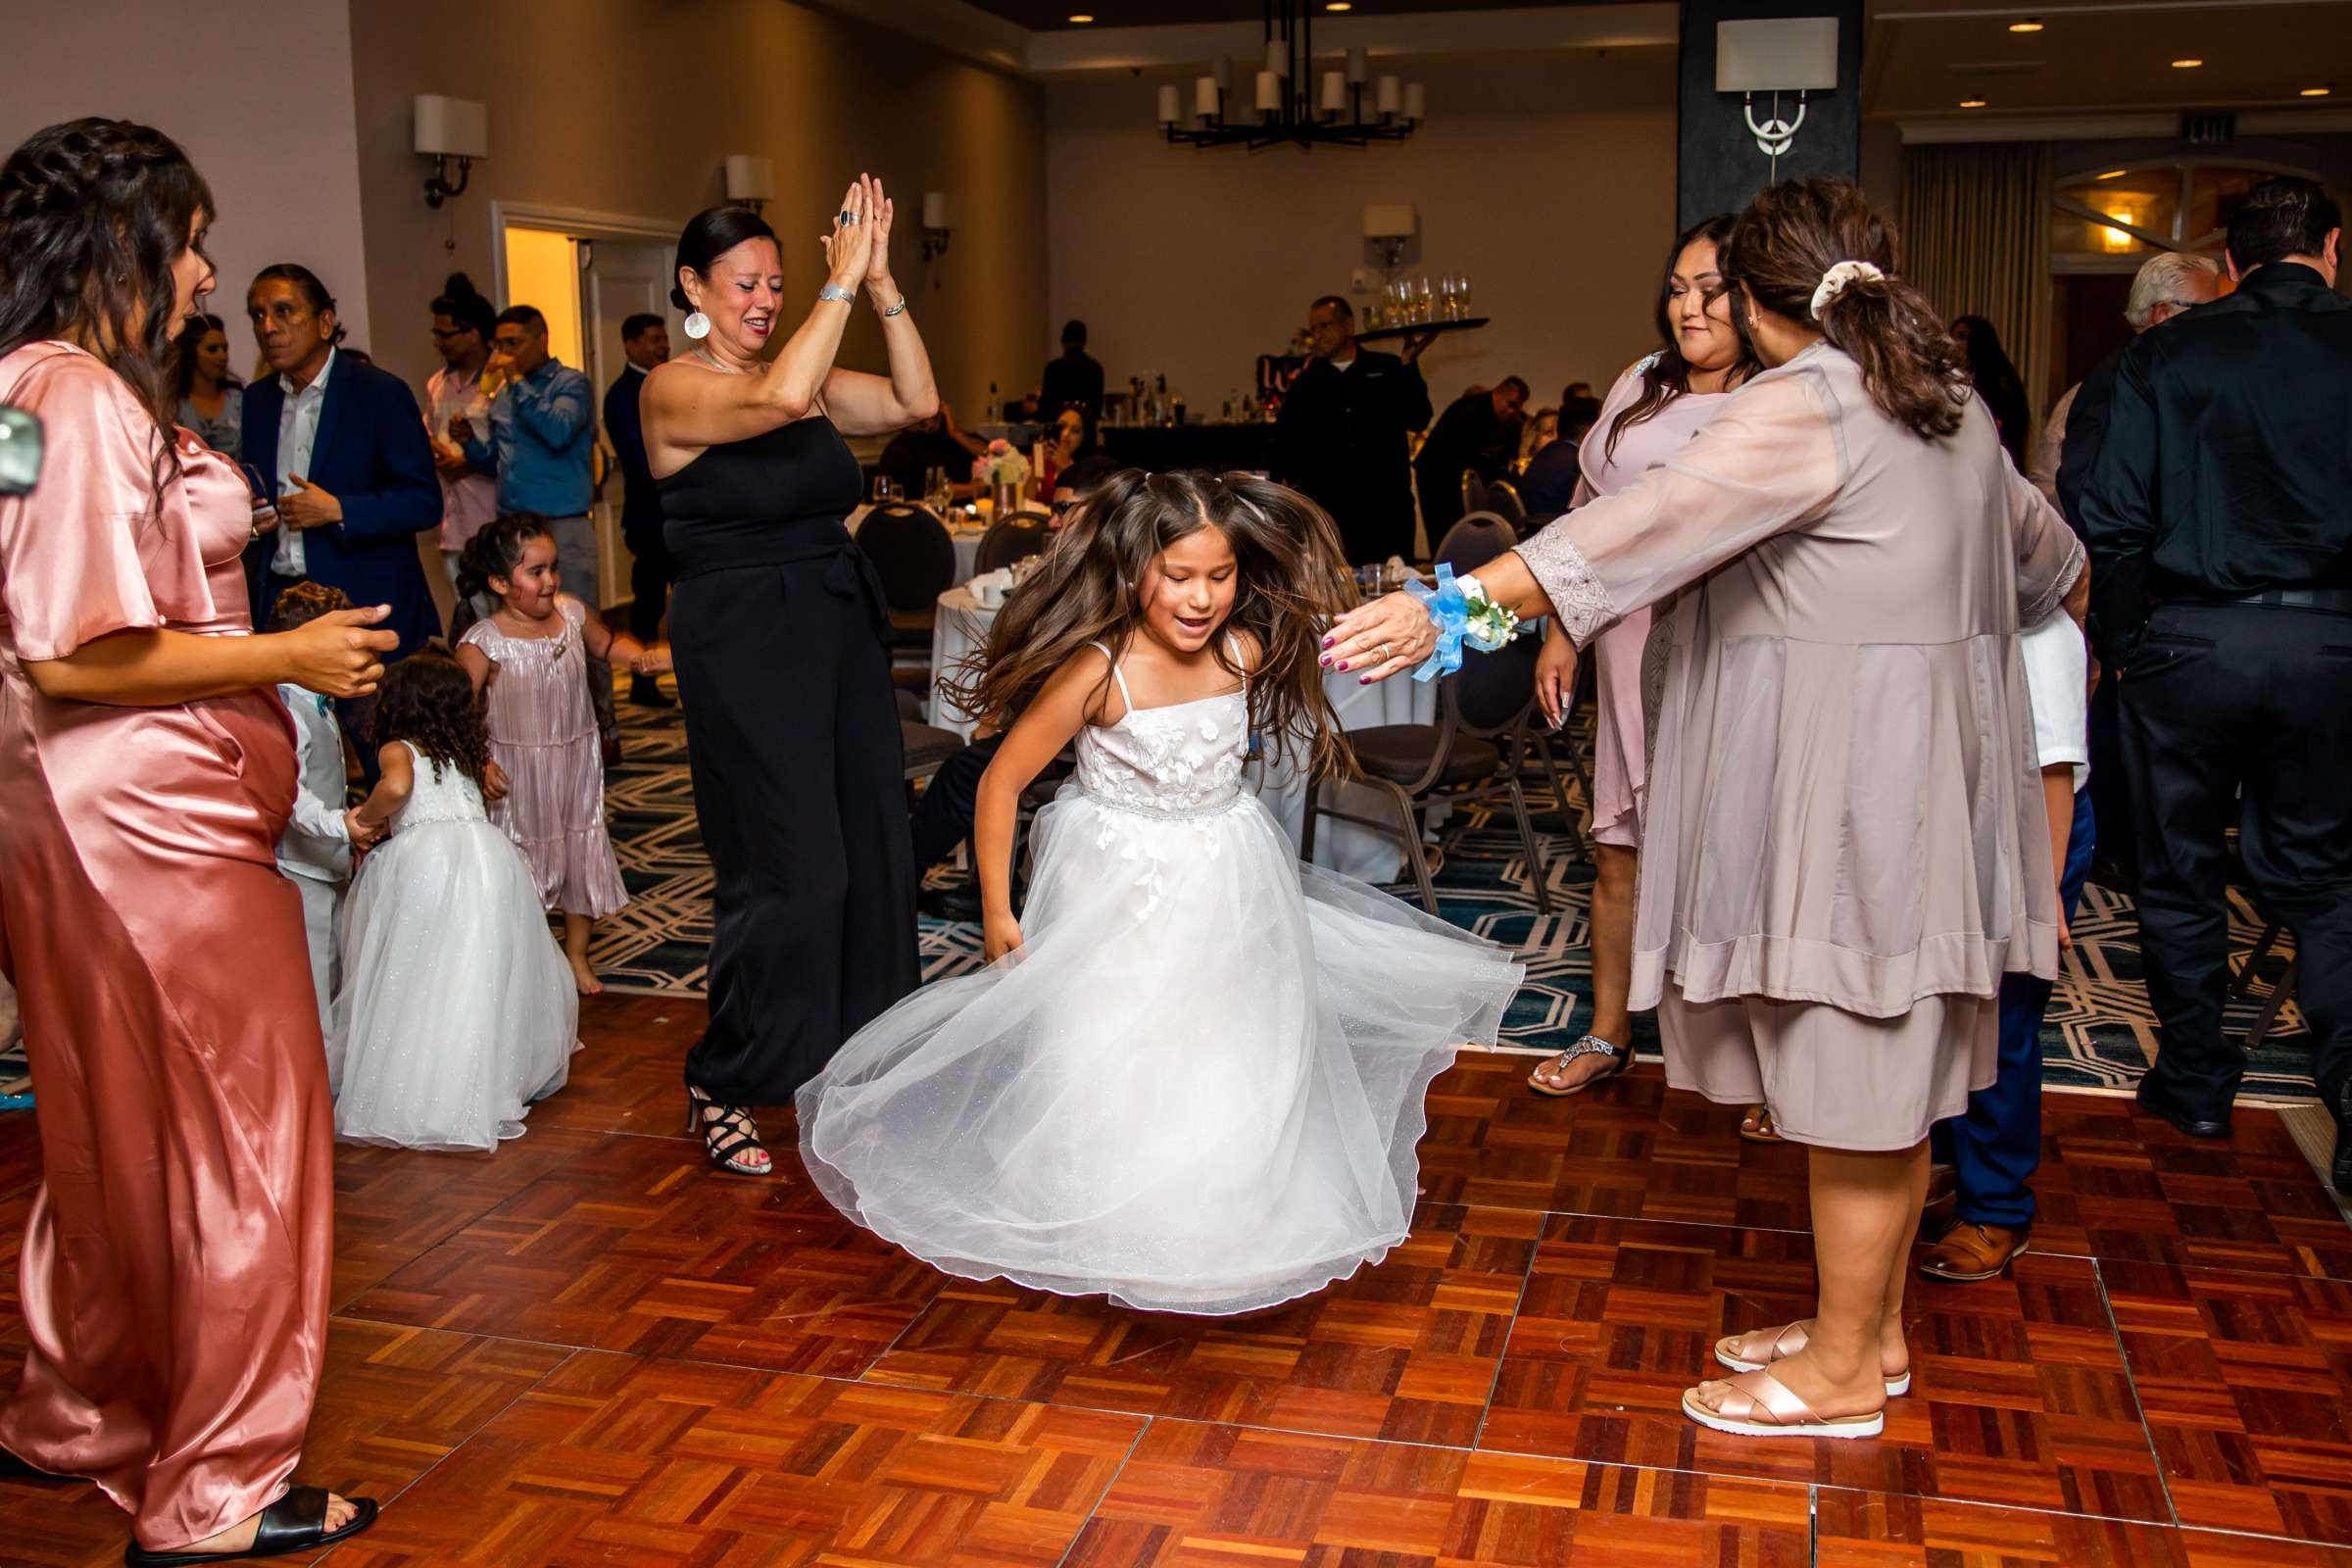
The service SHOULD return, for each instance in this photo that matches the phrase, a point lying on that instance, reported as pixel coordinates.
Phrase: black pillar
(1720, 165)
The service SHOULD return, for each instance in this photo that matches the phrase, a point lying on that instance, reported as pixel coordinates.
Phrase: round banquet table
(960, 628)
(967, 542)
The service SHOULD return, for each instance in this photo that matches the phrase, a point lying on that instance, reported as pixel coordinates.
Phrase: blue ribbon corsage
(1462, 613)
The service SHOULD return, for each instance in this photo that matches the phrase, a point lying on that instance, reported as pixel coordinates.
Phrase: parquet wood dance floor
(590, 1348)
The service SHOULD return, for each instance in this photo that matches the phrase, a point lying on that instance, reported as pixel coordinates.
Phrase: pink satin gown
(176, 1262)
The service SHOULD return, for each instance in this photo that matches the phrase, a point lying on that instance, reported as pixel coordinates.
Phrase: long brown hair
(1287, 584)
(429, 701)
(1666, 374)
(93, 212)
(1794, 232)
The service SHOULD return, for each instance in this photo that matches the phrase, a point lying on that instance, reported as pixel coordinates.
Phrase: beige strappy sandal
(1785, 1342)
(1761, 1406)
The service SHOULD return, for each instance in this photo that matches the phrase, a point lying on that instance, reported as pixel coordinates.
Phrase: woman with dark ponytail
(1845, 845)
(782, 646)
(177, 1259)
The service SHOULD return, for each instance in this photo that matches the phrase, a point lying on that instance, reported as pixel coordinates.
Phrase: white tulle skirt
(1196, 1087)
(456, 1008)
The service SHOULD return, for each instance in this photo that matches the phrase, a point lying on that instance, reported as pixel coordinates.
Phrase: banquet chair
(1503, 499)
(927, 748)
(1473, 491)
(1479, 537)
(1471, 753)
(914, 557)
(1012, 538)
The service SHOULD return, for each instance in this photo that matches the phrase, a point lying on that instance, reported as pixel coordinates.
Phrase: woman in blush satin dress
(176, 1263)
(1844, 845)
(1652, 411)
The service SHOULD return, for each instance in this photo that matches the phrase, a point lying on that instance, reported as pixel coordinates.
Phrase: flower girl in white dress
(456, 1008)
(1191, 1079)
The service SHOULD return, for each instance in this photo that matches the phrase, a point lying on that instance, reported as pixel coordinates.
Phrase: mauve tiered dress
(542, 733)
(176, 1263)
(1843, 848)
(1620, 755)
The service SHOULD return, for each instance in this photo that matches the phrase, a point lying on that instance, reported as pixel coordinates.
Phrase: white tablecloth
(961, 628)
(967, 543)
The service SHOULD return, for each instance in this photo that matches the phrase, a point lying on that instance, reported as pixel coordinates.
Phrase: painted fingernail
(1343, 663)
(1328, 641)
(1363, 681)
(1326, 663)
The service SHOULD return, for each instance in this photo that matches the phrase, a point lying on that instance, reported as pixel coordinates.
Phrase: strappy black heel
(729, 1136)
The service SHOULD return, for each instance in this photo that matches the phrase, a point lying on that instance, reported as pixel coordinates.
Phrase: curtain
(1976, 241)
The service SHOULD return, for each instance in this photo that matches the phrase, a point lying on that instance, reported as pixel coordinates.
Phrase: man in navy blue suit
(340, 447)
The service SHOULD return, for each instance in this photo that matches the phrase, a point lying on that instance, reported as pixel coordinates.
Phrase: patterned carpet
(2098, 1034)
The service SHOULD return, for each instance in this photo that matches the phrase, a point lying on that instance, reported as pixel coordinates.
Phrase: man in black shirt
(1344, 431)
(1480, 431)
(644, 344)
(1075, 378)
(2219, 515)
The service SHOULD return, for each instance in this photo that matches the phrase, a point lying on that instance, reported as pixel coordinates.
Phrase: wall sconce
(751, 179)
(1389, 226)
(1776, 55)
(935, 225)
(446, 128)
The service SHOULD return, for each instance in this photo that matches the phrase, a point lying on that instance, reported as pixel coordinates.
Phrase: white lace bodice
(1177, 760)
(441, 794)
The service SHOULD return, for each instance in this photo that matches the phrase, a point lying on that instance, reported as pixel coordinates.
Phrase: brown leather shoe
(1971, 1251)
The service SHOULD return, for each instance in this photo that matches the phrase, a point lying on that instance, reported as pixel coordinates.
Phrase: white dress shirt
(2058, 688)
(297, 434)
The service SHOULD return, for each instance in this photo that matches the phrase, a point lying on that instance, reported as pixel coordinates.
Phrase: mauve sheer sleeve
(2050, 558)
(79, 557)
(1770, 461)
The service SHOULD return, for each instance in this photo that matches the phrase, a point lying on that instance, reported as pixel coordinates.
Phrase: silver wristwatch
(834, 291)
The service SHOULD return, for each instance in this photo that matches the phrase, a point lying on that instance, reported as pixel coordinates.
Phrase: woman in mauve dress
(1844, 847)
(1650, 413)
(176, 1263)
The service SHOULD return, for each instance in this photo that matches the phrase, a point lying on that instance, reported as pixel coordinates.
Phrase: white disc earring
(698, 326)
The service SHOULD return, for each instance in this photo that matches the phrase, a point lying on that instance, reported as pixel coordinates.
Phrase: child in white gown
(1195, 1081)
(456, 1008)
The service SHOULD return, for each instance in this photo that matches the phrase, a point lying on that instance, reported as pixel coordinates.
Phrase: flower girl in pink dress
(532, 658)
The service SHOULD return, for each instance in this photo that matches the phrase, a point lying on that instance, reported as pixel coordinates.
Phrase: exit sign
(2208, 130)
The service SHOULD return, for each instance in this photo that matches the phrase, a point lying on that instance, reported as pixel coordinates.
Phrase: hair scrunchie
(1832, 282)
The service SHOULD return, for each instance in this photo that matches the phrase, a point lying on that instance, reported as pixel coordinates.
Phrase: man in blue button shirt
(540, 444)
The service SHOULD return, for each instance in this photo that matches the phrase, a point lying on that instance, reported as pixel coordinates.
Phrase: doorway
(588, 273)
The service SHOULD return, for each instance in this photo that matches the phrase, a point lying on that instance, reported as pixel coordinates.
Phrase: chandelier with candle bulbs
(1294, 96)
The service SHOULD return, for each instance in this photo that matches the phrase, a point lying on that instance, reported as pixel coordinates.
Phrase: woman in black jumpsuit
(781, 645)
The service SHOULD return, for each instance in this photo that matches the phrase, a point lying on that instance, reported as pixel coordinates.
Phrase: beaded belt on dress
(1176, 813)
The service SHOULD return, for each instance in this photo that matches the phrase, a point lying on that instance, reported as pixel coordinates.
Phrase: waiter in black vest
(2219, 515)
(1342, 434)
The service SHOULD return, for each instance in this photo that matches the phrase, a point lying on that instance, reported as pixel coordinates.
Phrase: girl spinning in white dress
(1192, 1076)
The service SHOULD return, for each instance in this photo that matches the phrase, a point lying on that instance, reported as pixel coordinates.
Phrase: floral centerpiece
(1005, 472)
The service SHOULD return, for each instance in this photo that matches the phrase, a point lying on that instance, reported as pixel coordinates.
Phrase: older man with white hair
(2168, 282)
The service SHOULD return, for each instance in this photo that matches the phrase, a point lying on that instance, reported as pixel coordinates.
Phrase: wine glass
(1461, 294)
(1424, 301)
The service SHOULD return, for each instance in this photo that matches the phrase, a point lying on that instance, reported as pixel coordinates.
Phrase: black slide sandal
(295, 1522)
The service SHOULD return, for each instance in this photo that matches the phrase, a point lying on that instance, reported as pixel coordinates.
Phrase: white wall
(1550, 180)
(260, 94)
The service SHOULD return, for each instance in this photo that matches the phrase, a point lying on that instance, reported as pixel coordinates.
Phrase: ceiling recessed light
(1972, 103)
(2115, 173)
(2315, 92)
(1081, 19)
(2186, 65)
(2029, 24)
(1337, 5)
